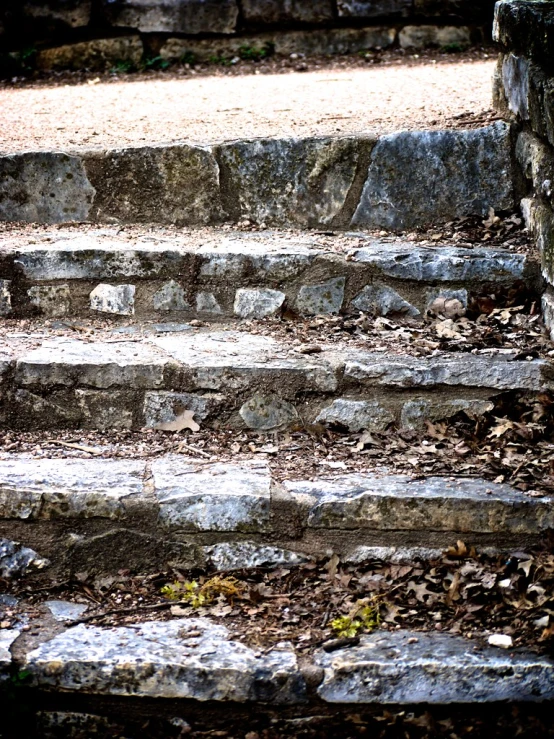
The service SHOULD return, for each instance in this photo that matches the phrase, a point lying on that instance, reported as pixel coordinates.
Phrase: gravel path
(203, 109)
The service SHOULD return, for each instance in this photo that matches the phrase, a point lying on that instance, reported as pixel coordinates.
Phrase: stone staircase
(151, 329)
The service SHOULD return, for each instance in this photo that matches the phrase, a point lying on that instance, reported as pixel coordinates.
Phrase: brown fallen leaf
(183, 421)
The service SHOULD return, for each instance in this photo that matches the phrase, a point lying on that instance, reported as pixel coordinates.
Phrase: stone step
(211, 274)
(395, 181)
(149, 376)
(196, 659)
(105, 515)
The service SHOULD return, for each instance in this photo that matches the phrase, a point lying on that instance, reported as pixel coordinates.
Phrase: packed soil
(379, 95)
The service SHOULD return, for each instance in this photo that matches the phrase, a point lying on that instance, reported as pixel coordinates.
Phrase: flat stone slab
(406, 667)
(184, 658)
(402, 503)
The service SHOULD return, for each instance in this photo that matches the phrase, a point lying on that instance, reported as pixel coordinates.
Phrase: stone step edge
(338, 182)
(237, 514)
(195, 659)
(254, 279)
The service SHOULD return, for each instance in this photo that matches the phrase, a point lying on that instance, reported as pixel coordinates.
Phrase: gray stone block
(94, 55)
(300, 182)
(405, 667)
(44, 187)
(526, 26)
(356, 415)
(53, 301)
(415, 412)
(214, 497)
(16, 560)
(169, 297)
(264, 12)
(267, 257)
(514, 73)
(117, 299)
(104, 410)
(155, 184)
(422, 37)
(267, 412)
(207, 303)
(164, 407)
(64, 610)
(233, 555)
(420, 177)
(327, 297)
(258, 303)
(537, 163)
(374, 8)
(173, 16)
(381, 300)
(161, 660)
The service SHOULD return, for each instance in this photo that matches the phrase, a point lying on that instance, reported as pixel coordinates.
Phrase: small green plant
(155, 62)
(221, 60)
(189, 592)
(256, 54)
(123, 66)
(363, 617)
(453, 48)
(188, 58)
(198, 595)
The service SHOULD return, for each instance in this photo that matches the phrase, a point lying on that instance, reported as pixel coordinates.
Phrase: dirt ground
(205, 104)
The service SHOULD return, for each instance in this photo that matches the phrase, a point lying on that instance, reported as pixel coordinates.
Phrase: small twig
(118, 611)
(326, 616)
(80, 447)
(193, 449)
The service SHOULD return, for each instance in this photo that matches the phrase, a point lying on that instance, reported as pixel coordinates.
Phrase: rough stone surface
(394, 555)
(374, 8)
(64, 610)
(100, 365)
(466, 370)
(57, 14)
(267, 412)
(515, 83)
(527, 26)
(53, 301)
(407, 172)
(239, 554)
(174, 16)
(161, 660)
(207, 303)
(33, 488)
(537, 163)
(170, 296)
(548, 312)
(97, 54)
(258, 303)
(267, 257)
(7, 638)
(442, 263)
(5, 297)
(164, 407)
(420, 37)
(401, 503)
(44, 187)
(286, 11)
(443, 294)
(155, 184)
(15, 559)
(215, 497)
(304, 182)
(414, 667)
(382, 300)
(118, 299)
(416, 412)
(356, 415)
(327, 297)
(104, 410)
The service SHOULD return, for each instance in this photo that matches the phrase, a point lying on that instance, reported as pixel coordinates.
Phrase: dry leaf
(183, 421)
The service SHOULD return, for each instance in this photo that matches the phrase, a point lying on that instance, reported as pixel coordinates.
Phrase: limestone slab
(258, 302)
(401, 503)
(405, 186)
(267, 412)
(327, 297)
(421, 37)
(232, 555)
(174, 16)
(266, 12)
(16, 560)
(212, 497)
(356, 415)
(382, 300)
(32, 488)
(406, 667)
(266, 257)
(373, 8)
(53, 301)
(183, 658)
(100, 364)
(170, 297)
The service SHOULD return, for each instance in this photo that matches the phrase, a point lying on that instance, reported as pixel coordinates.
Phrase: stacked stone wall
(524, 92)
(103, 32)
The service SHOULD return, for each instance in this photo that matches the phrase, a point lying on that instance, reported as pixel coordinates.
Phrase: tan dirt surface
(119, 111)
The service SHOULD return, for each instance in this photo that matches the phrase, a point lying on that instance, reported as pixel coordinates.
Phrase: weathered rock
(100, 365)
(5, 297)
(548, 312)
(104, 410)
(264, 12)
(413, 667)
(49, 15)
(392, 555)
(15, 560)
(258, 303)
(268, 258)
(33, 488)
(537, 164)
(7, 638)
(118, 299)
(53, 301)
(173, 16)
(207, 303)
(164, 407)
(539, 219)
(526, 26)
(158, 184)
(170, 296)
(64, 610)
(407, 172)
(468, 370)
(401, 503)
(514, 74)
(267, 412)
(373, 8)
(215, 497)
(416, 412)
(356, 415)
(35, 412)
(232, 555)
(449, 303)
(382, 300)
(97, 54)
(300, 182)
(324, 298)
(443, 263)
(44, 187)
(421, 37)
(160, 660)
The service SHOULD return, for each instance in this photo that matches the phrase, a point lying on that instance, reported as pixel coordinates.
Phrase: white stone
(64, 610)
(382, 300)
(207, 303)
(169, 297)
(326, 297)
(267, 412)
(356, 415)
(233, 555)
(164, 407)
(118, 299)
(53, 301)
(500, 640)
(258, 303)
(7, 638)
